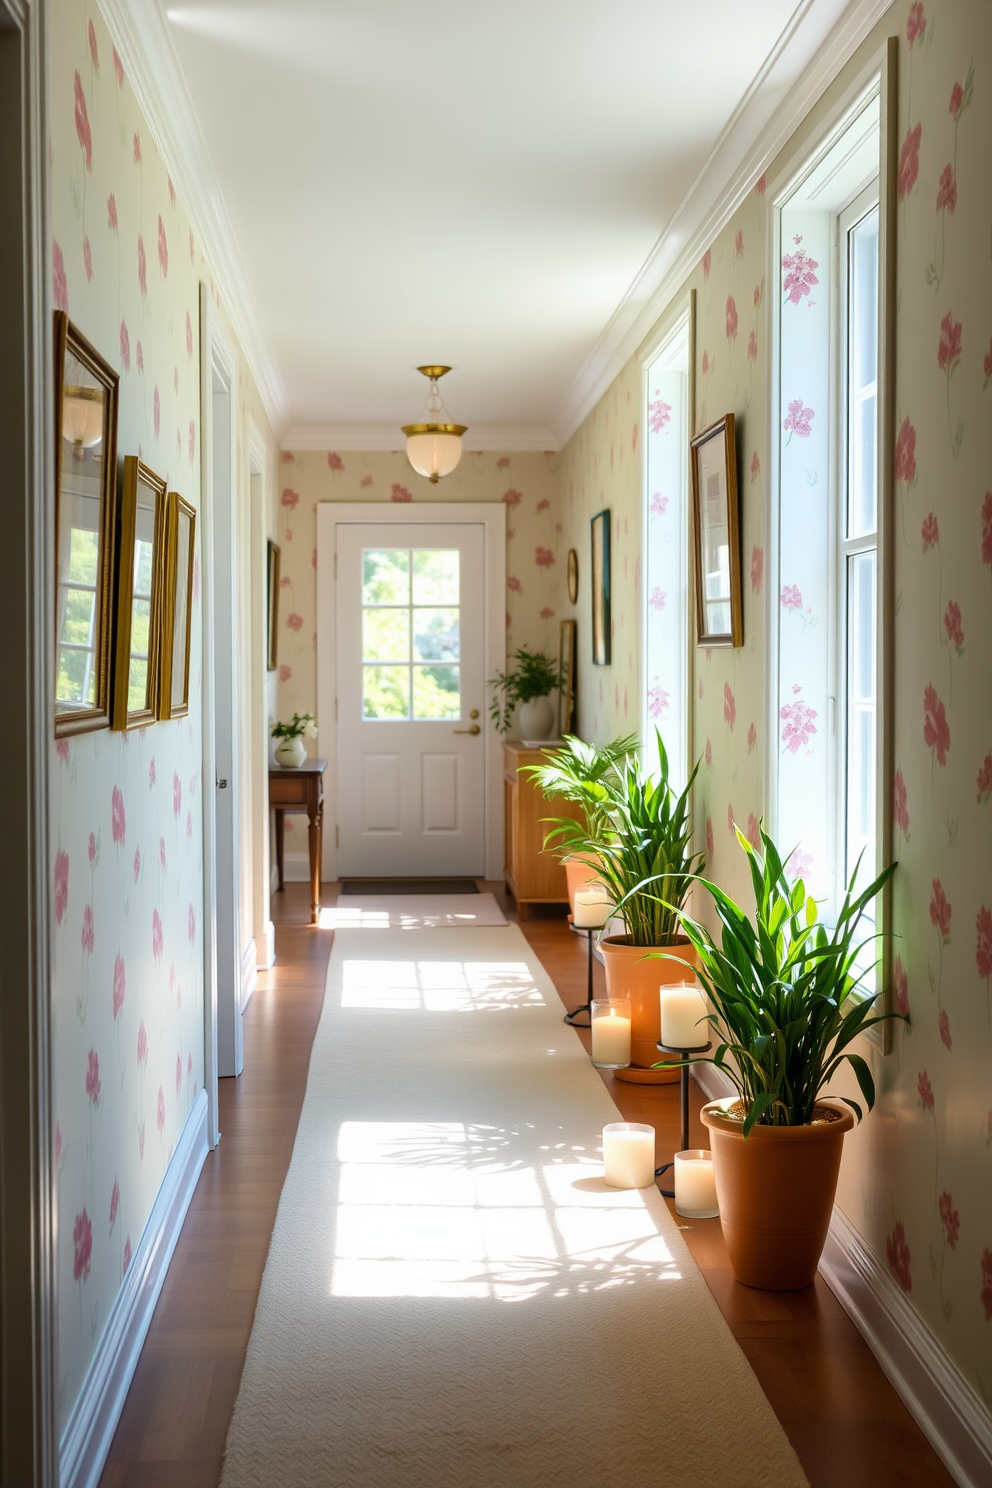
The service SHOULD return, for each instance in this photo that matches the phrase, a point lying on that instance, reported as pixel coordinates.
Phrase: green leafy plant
(581, 773)
(782, 989)
(299, 726)
(534, 676)
(638, 836)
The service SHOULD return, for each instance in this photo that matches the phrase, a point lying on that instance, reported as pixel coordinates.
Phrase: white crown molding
(144, 42)
(755, 133)
(519, 438)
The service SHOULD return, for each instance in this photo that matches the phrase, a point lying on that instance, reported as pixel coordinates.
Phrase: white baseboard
(90, 1429)
(934, 1392)
(249, 972)
(268, 947)
(296, 867)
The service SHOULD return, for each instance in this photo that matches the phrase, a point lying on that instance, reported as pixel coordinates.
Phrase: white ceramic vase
(537, 718)
(290, 753)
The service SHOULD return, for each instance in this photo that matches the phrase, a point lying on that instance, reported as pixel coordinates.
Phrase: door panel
(410, 678)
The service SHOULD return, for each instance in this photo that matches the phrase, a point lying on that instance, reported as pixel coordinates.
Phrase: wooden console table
(301, 790)
(532, 875)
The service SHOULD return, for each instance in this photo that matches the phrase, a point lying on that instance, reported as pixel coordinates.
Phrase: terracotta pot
(629, 974)
(579, 873)
(776, 1193)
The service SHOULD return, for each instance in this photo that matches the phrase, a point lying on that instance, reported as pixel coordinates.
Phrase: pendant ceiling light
(434, 446)
(82, 418)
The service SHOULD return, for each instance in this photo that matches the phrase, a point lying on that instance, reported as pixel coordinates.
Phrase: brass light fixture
(82, 418)
(434, 446)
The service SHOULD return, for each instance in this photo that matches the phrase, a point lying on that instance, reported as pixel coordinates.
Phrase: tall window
(857, 566)
(665, 572)
(827, 762)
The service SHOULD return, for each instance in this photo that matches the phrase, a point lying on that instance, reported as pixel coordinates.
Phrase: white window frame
(843, 548)
(877, 77)
(679, 320)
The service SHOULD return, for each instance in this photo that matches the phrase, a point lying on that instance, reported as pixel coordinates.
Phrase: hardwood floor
(842, 1416)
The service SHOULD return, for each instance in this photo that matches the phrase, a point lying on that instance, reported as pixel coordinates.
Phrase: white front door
(410, 694)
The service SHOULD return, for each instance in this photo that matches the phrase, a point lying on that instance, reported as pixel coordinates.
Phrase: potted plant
(783, 990)
(579, 772)
(642, 844)
(528, 683)
(291, 751)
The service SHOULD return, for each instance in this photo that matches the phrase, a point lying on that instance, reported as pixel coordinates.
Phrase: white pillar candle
(592, 909)
(628, 1155)
(695, 1185)
(611, 1034)
(682, 1009)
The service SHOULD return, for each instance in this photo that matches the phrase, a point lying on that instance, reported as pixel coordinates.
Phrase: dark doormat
(409, 886)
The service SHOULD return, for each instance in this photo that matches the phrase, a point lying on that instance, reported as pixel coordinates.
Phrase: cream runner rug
(453, 1298)
(412, 912)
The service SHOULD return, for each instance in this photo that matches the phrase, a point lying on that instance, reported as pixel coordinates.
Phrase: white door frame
(28, 1342)
(262, 928)
(218, 359)
(491, 516)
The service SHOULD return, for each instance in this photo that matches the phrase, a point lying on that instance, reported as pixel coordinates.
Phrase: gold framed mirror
(177, 608)
(85, 476)
(272, 616)
(140, 564)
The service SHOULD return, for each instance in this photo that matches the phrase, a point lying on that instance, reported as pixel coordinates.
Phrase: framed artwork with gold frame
(272, 610)
(566, 663)
(86, 389)
(602, 637)
(140, 579)
(572, 573)
(177, 608)
(716, 536)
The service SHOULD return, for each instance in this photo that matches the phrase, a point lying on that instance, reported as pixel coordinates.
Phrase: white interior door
(410, 694)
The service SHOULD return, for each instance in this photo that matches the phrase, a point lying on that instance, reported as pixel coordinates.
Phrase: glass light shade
(434, 454)
(82, 416)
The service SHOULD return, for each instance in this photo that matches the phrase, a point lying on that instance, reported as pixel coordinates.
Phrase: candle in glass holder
(628, 1154)
(695, 1185)
(592, 909)
(611, 1034)
(682, 1012)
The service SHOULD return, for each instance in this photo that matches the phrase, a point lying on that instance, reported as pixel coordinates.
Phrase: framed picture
(177, 608)
(140, 581)
(85, 530)
(272, 611)
(601, 638)
(572, 571)
(716, 536)
(566, 663)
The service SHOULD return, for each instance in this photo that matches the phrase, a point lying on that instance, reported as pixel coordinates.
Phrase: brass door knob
(475, 729)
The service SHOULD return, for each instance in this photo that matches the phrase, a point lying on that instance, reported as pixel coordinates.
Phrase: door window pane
(386, 635)
(385, 692)
(386, 576)
(436, 692)
(435, 635)
(435, 576)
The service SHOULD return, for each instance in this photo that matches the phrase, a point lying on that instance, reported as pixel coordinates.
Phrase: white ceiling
(496, 184)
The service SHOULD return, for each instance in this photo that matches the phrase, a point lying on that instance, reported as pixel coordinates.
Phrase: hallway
(841, 1415)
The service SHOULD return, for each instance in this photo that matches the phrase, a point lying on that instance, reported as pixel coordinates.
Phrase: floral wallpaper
(535, 559)
(126, 841)
(917, 1177)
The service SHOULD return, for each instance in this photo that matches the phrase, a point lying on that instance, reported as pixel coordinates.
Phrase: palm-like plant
(582, 773)
(782, 989)
(639, 840)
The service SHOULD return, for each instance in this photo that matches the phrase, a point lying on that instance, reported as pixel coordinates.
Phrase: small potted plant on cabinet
(582, 773)
(529, 683)
(786, 1013)
(643, 845)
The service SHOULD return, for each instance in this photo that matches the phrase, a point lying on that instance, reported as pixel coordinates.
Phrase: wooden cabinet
(532, 875)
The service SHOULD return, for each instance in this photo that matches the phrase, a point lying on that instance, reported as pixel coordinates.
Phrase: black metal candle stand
(669, 1193)
(587, 1005)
